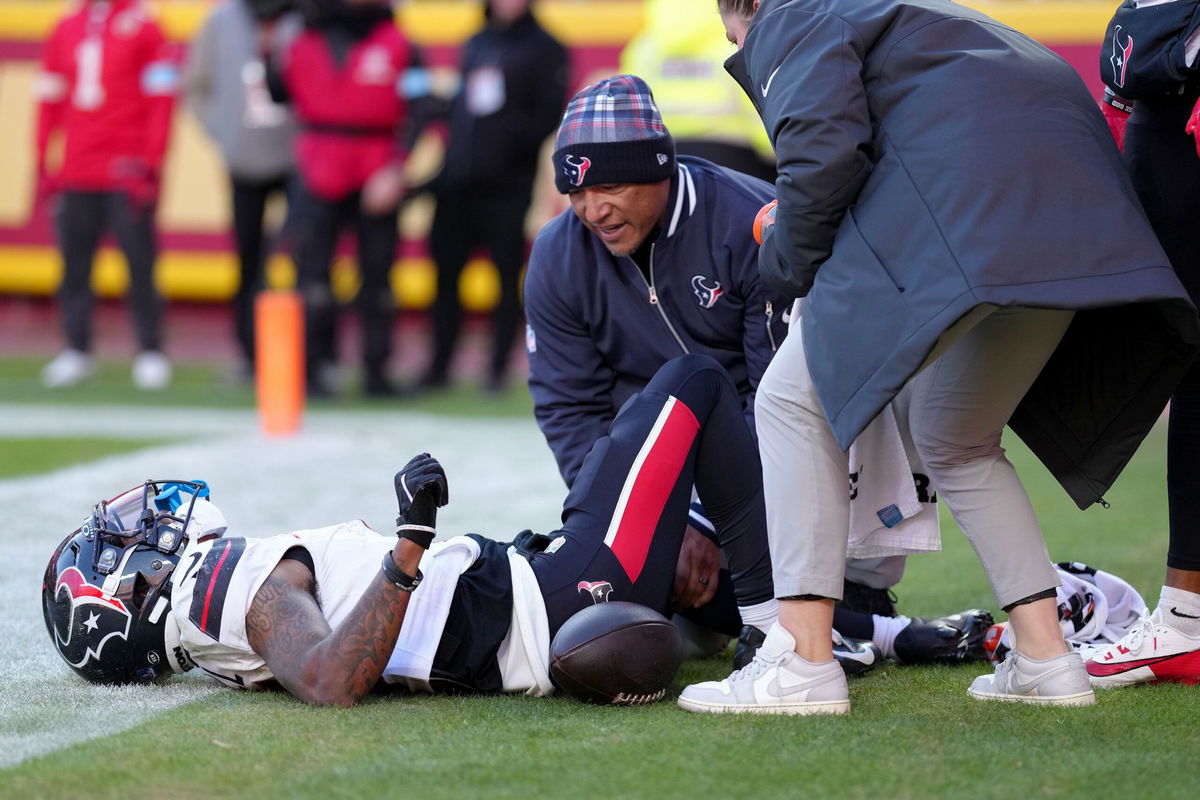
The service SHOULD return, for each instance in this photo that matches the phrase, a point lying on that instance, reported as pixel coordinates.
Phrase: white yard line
(502, 479)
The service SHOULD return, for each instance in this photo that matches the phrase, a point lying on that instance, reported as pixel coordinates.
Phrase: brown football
(616, 653)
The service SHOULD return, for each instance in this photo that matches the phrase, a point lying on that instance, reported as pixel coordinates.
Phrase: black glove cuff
(1116, 101)
(396, 577)
(421, 534)
(422, 511)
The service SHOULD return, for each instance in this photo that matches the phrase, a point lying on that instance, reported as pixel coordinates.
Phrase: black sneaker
(749, 640)
(953, 639)
(434, 380)
(855, 655)
(865, 600)
(321, 380)
(376, 385)
(317, 388)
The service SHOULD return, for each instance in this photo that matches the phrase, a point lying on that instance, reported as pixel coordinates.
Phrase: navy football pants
(1166, 173)
(625, 516)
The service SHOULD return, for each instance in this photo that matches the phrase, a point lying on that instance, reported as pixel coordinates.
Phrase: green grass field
(912, 733)
(210, 386)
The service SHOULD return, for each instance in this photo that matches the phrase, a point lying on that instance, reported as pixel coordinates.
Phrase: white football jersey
(218, 579)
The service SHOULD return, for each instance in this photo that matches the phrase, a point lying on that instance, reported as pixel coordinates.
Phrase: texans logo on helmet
(84, 625)
(575, 168)
(599, 590)
(708, 295)
(1120, 55)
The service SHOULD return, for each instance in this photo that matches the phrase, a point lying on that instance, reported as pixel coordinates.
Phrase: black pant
(1166, 172)
(80, 220)
(468, 217)
(250, 198)
(322, 223)
(624, 518)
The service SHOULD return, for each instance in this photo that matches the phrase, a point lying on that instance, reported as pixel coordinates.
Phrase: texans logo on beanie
(612, 132)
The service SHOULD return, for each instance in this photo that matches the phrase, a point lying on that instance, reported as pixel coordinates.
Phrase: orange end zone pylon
(279, 360)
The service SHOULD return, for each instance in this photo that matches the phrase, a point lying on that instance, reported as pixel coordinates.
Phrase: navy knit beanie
(612, 133)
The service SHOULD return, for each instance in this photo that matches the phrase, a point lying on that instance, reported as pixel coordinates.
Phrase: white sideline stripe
(339, 467)
(631, 479)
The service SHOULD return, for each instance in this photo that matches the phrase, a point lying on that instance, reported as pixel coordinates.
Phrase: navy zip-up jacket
(599, 330)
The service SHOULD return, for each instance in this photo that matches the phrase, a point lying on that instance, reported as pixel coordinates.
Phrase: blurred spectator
(680, 53)
(226, 87)
(351, 78)
(107, 84)
(514, 84)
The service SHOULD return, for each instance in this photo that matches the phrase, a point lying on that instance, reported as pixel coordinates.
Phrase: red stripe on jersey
(649, 484)
(212, 585)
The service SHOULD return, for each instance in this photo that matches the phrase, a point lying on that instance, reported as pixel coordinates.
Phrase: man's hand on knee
(696, 571)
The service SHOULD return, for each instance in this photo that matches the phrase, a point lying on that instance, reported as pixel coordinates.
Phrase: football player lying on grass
(151, 585)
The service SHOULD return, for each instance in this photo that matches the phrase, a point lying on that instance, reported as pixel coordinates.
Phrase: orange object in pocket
(760, 219)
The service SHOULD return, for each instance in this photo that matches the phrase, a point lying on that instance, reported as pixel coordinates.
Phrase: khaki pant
(955, 409)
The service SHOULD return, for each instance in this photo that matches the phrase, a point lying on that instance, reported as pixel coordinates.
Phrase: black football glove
(421, 489)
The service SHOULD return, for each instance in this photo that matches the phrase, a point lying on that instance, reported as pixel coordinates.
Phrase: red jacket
(351, 111)
(108, 82)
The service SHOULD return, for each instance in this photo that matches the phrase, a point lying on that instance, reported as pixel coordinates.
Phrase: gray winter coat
(932, 159)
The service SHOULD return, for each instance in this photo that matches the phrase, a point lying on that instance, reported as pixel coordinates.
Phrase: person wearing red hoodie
(106, 89)
(351, 78)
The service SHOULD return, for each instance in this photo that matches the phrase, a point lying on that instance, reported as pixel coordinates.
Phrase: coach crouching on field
(653, 260)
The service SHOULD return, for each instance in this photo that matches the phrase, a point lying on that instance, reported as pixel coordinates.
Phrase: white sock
(1181, 610)
(760, 615)
(885, 633)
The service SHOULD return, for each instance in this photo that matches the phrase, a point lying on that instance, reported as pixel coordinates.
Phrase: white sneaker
(1058, 681)
(151, 371)
(1151, 651)
(68, 368)
(777, 681)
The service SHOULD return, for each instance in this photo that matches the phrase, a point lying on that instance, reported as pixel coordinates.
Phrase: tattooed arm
(317, 664)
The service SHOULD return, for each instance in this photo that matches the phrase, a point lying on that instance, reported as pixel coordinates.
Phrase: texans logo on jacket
(93, 619)
(708, 295)
(575, 168)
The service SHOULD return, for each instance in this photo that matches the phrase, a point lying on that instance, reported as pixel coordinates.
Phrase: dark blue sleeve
(569, 380)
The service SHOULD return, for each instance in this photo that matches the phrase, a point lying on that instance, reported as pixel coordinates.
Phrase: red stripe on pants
(649, 485)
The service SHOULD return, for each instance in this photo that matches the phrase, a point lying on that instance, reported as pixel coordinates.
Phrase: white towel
(887, 516)
(428, 609)
(524, 655)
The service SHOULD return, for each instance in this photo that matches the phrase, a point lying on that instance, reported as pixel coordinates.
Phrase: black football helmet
(106, 594)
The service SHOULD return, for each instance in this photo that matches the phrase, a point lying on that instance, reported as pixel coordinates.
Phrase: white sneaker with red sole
(1151, 652)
